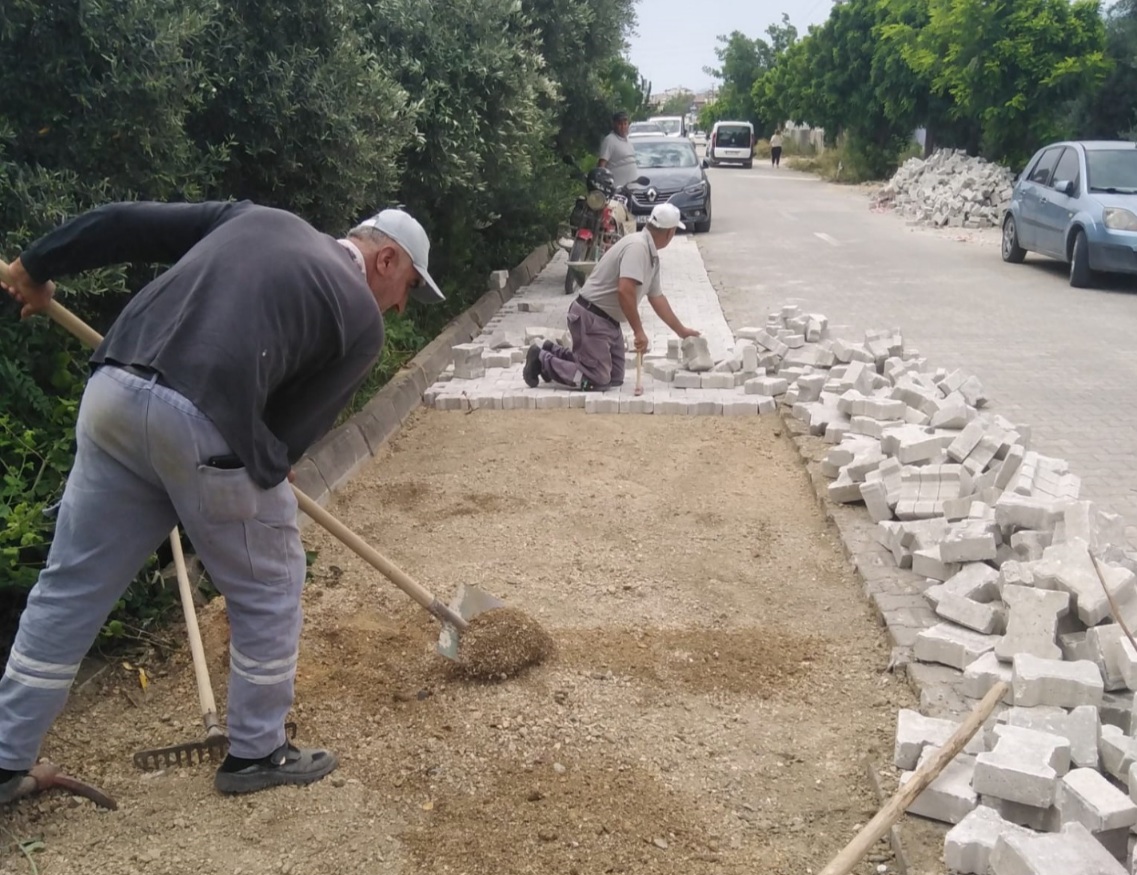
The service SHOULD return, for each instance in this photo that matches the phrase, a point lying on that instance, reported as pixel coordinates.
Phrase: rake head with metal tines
(213, 748)
(192, 753)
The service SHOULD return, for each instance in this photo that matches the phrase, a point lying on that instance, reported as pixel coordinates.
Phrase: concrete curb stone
(485, 307)
(339, 454)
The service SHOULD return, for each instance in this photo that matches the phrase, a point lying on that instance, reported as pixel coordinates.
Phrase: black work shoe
(531, 373)
(11, 786)
(548, 346)
(287, 764)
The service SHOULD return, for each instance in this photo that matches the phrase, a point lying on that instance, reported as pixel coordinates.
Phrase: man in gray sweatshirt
(213, 381)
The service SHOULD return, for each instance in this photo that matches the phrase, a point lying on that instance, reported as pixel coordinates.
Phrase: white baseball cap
(667, 216)
(405, 230)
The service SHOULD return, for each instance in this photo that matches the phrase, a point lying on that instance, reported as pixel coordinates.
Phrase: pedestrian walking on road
(776, 148)
(212, 382)
(610, 299)
(617, 152)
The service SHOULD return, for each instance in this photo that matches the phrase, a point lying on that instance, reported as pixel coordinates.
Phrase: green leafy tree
(742, 62)
(1010, 67)
(93, 104)
(311, 120)
(835, 79)
(578, 40)
(622, 87)
(456, 108)
(483, 119)
(677, 104)
(1111, 111)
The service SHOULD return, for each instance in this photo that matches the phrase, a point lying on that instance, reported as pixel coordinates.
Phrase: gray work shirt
(264, 323)
(621, 157)
(633, 257)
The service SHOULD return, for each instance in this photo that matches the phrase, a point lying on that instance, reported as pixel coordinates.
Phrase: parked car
(645, 129)
(676, 175)
(699, 138)
(731, 142)
(673, 125)
(1077, 201)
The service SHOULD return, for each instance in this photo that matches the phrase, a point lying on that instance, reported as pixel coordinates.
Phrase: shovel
(455, 617)
(468, 602)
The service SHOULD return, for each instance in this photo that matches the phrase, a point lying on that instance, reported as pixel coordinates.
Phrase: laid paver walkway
(545, 304)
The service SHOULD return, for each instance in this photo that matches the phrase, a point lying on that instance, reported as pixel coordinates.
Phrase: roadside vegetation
(995, 79)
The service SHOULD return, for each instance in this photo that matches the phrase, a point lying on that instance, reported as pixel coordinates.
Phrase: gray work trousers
(139, 469)
(597, 353)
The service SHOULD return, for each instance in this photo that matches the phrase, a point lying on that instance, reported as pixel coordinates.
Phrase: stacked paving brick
(683, 379)
(949, 188)
(1003, 544)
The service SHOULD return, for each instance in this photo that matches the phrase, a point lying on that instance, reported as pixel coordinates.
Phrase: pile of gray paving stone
(1003, 545)
(949, 188)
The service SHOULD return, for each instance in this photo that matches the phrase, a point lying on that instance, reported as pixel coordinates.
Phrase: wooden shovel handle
(378, 561)
(906, 795)
(59, 314)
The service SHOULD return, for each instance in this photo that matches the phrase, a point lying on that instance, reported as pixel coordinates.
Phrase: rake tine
(192, 753)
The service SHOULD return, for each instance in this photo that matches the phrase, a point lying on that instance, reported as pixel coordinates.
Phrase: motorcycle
(598, 220)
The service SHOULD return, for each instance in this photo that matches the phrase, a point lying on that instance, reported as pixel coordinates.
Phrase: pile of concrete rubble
(1017, 568)
(949, 188)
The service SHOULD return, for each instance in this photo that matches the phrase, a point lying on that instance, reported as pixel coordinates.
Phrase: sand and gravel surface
(715, 679)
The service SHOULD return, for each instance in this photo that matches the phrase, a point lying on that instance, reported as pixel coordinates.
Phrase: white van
(673, 125)
(733, 142)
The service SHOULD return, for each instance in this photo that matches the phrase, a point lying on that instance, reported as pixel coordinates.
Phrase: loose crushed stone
(500, 643)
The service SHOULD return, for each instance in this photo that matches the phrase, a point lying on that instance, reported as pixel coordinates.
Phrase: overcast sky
(676, 38)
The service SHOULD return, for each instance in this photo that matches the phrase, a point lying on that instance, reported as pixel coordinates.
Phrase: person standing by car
(611, 298)
(617, 153)
(776, 148)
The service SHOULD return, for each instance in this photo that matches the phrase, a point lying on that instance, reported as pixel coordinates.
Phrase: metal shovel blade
(468, 602)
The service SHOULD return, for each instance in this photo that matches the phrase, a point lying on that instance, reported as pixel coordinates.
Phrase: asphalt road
(1051, 357)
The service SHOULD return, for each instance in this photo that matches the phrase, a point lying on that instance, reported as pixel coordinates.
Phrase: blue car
(1077, 202)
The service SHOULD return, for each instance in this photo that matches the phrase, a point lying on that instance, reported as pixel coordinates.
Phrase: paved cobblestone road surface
(1057, 359)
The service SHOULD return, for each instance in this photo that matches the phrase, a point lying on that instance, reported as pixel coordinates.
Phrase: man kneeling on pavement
(611, 298)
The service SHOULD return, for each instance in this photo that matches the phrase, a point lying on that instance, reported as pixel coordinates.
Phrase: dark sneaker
(287, 764)
(531, 373)
(11, 786)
